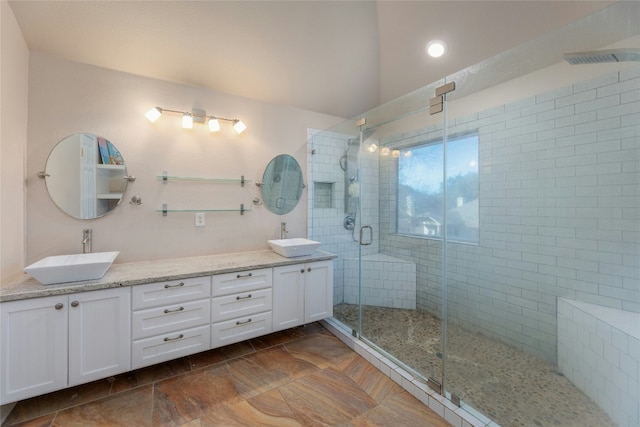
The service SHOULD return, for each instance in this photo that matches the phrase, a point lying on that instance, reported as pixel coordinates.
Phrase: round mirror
(282, 184)
(85, 176)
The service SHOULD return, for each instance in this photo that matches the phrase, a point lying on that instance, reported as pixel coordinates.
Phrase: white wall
(14, 69)
(67, 97)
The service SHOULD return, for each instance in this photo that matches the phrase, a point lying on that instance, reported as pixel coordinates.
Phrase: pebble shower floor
(507, 385)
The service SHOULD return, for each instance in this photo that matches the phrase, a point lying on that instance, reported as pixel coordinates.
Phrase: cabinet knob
(75, 304)
(302, 271)
(59, 306)
(309, 269)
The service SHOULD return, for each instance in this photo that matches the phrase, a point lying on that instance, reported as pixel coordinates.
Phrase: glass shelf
(165, 177)
(165, 210)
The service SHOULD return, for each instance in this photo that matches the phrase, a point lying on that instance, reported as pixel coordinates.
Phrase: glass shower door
(557, 146)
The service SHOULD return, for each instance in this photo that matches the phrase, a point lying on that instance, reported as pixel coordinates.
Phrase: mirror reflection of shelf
(107, 166)
(109, 196)
(165, 210)
(166, 177)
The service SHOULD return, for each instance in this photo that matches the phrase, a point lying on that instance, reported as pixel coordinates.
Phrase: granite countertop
(138, 273)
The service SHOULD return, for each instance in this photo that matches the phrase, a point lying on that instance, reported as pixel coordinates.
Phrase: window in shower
(420, 189)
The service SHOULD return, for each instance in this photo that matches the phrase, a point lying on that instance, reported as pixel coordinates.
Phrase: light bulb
(385, 151)
(407, 153)
(187, 121)
(214, 125)
(239, 126)
(372, 148)
(153, 114)
(436, 48)
(395, 153)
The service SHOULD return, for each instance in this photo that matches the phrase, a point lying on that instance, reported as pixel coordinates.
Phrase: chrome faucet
(86, 241)
(283, 230)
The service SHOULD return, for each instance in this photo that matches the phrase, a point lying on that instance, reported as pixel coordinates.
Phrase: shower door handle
(362, 241)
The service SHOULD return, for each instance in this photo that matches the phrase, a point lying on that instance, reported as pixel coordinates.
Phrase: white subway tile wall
(599, 351)
(386, 281)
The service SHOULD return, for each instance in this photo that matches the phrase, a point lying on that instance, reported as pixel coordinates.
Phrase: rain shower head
(602, 56)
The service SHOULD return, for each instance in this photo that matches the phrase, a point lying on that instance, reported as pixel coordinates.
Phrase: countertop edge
(140, 273)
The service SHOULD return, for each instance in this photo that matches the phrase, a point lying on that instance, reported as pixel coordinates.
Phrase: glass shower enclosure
(487, 228)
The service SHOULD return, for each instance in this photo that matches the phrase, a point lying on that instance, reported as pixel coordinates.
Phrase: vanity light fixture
(187, 121)
(385, 151)
(372, 148)
(214, 125)
(196, 116)
(239, 126)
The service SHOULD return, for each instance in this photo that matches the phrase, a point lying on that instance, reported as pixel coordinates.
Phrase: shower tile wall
(324, 150)
(386, 281)
(559, 215)
(599, 351)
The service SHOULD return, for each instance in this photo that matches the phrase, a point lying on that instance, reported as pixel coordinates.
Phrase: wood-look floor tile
(193, 423)
(131, 409)
(328, 397)
(399, 410)
(150, 374)
(321, 350)
(222, 354)
(277, 338)
(266, 409)
(48, 403)
(184, 398)
(44, 421)
(315, 328)
(371, 380)
(265, 370)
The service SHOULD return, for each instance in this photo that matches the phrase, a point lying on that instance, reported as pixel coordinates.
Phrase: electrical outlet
(199, 219)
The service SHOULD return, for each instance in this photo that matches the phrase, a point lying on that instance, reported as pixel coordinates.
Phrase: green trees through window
(421, 190)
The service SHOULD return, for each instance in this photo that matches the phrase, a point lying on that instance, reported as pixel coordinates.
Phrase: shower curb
(454, 415)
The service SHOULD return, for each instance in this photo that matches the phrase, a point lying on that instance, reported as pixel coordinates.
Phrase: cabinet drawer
(169, 318)
(238, 305)
(161, 348)
(233, 283)
(236, 330)
(171, 292)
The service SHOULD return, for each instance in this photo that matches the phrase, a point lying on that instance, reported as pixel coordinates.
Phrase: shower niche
(323, 195)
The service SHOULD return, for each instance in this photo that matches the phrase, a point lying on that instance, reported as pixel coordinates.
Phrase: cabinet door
(318, 291)
(99, 334)
(288, 296)
(33, 342)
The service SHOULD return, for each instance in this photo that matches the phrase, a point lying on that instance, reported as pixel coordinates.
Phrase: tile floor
(299, 377)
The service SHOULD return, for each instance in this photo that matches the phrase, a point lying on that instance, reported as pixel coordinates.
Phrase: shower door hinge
(436, 104)
(434, 385)
(449, 87)
(455, 399)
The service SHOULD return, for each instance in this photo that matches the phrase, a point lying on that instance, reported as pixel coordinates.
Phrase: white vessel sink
(71, 268)
(290, 248)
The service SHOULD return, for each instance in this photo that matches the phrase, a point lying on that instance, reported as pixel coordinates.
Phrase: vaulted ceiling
(335, 57)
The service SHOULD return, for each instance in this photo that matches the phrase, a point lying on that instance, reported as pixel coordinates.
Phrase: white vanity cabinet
(99, 334)
(53, 342)
(302, 293)
(170, 320)
(34, 343)
(241, 306)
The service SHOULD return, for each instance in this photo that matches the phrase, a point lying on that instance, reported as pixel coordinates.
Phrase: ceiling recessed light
(436, 48)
